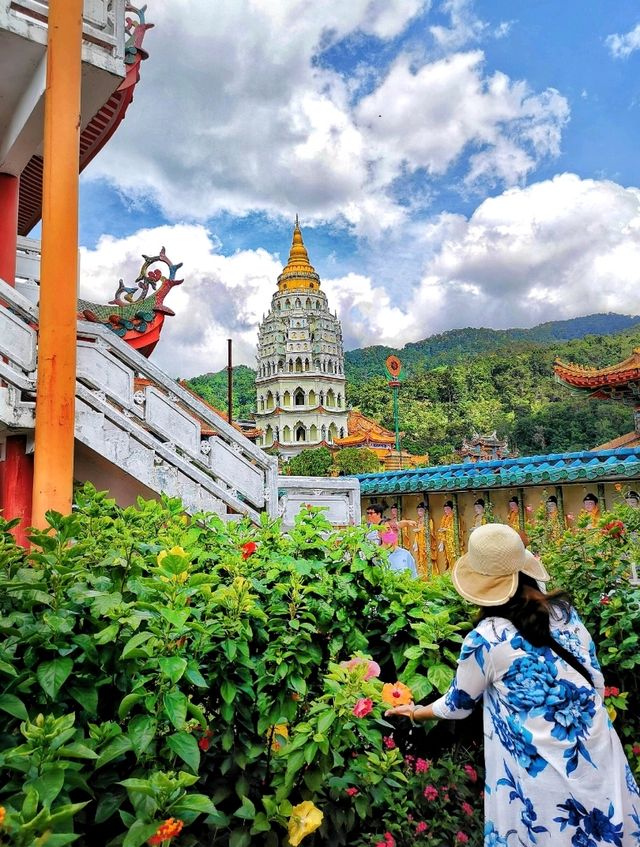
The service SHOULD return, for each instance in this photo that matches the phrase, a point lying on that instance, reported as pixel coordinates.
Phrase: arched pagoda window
(301, 432)
(298, 397)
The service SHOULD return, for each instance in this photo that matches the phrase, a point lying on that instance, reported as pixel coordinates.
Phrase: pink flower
(373, 668)
(528, 508)
(351, 792)
(461, 837)
(421, 827)
(389, 840)
(467, 809)
(636, 749)
(422, 765)
(431, 792)
(471, 772)
(363, 707)
(388, 742)
(570, 516)
(409, 760)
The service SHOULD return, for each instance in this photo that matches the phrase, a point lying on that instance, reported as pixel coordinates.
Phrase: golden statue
(513, 515)
(425, 563)
(446, 548)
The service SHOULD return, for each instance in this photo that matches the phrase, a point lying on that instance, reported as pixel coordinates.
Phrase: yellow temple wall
(571, 498)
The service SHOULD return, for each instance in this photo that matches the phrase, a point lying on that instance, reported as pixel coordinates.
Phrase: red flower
(421, 827)
(461, 837)
(166, 831)
(248, 549)
(605, 600)
(204, 744)
(471, 772)
(467, 809)
(363, 707)
(615, 529)
(351, 792)
(431, 792)
(388, 742)
(389, 840)
(611, 691)
(422, 765)
(636, 749)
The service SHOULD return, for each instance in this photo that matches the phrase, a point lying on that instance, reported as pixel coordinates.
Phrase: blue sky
(453, 163)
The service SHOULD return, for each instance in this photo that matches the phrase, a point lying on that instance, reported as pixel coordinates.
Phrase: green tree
(355, 460)
(316, 462)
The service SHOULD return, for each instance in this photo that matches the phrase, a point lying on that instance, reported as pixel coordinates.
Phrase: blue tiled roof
(587, 466)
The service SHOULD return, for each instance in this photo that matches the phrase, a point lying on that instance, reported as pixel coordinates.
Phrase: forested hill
(456, 345)
(457, 390)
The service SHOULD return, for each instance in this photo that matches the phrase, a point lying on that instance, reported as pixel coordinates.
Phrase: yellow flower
(396, 694)
(280, 730)
(305, 819)
(612, 713)
(3, 814)
(175, 551)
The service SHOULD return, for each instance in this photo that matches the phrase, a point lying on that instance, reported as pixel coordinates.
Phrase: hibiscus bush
(191, 682)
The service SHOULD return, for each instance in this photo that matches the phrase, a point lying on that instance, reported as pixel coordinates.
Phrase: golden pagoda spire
(298, 272)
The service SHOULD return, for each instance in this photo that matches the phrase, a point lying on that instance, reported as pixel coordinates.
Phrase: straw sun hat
(488, 574)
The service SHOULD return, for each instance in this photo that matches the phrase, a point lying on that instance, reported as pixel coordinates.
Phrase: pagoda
(300, 383)
(619, 382)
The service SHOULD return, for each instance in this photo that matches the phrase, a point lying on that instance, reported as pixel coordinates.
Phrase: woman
(556, 773)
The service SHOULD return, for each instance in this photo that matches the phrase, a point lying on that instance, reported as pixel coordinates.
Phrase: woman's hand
(404, 711)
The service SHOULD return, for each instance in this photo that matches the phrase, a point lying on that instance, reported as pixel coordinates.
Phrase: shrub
(172, 679)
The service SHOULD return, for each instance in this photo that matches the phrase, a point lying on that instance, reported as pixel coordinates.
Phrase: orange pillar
(16, 471)
(55, 398)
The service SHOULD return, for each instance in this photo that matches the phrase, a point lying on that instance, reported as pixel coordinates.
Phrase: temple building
(483, 448)
(365, 432)
(619, 382)
(300, 383)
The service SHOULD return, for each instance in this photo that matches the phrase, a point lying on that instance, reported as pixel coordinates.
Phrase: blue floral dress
(556, 773)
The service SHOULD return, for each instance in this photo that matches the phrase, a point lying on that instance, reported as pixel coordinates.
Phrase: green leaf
(108, 804)
(228, 691)
(247, 810)
(194, 676)
(108, 634)
(325, 720)
(87, 696)
(134, 642)
(14, 706)
(184, 745)
(193, 803)
(116, 748)
(175, 705)
(239, 838)
(176, 618)
(52, 675)
(77, 751)
(49, 785)
(128, 702)
(142, 731)
(173, 667)
(440, 676)
(139, 832)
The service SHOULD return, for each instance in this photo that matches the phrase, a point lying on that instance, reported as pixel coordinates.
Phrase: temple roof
(555, 468)
(363, 430)
(616, 382)
(298, 272)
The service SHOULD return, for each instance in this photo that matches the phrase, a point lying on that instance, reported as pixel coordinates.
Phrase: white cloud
(554, 250)
(234, 114)
(621, 46)
(427, 117)
(465, 25)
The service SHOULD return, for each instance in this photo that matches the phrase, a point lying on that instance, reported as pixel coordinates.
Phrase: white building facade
(300, 383)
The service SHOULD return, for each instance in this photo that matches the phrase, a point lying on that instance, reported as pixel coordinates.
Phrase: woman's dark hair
(528, 611)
